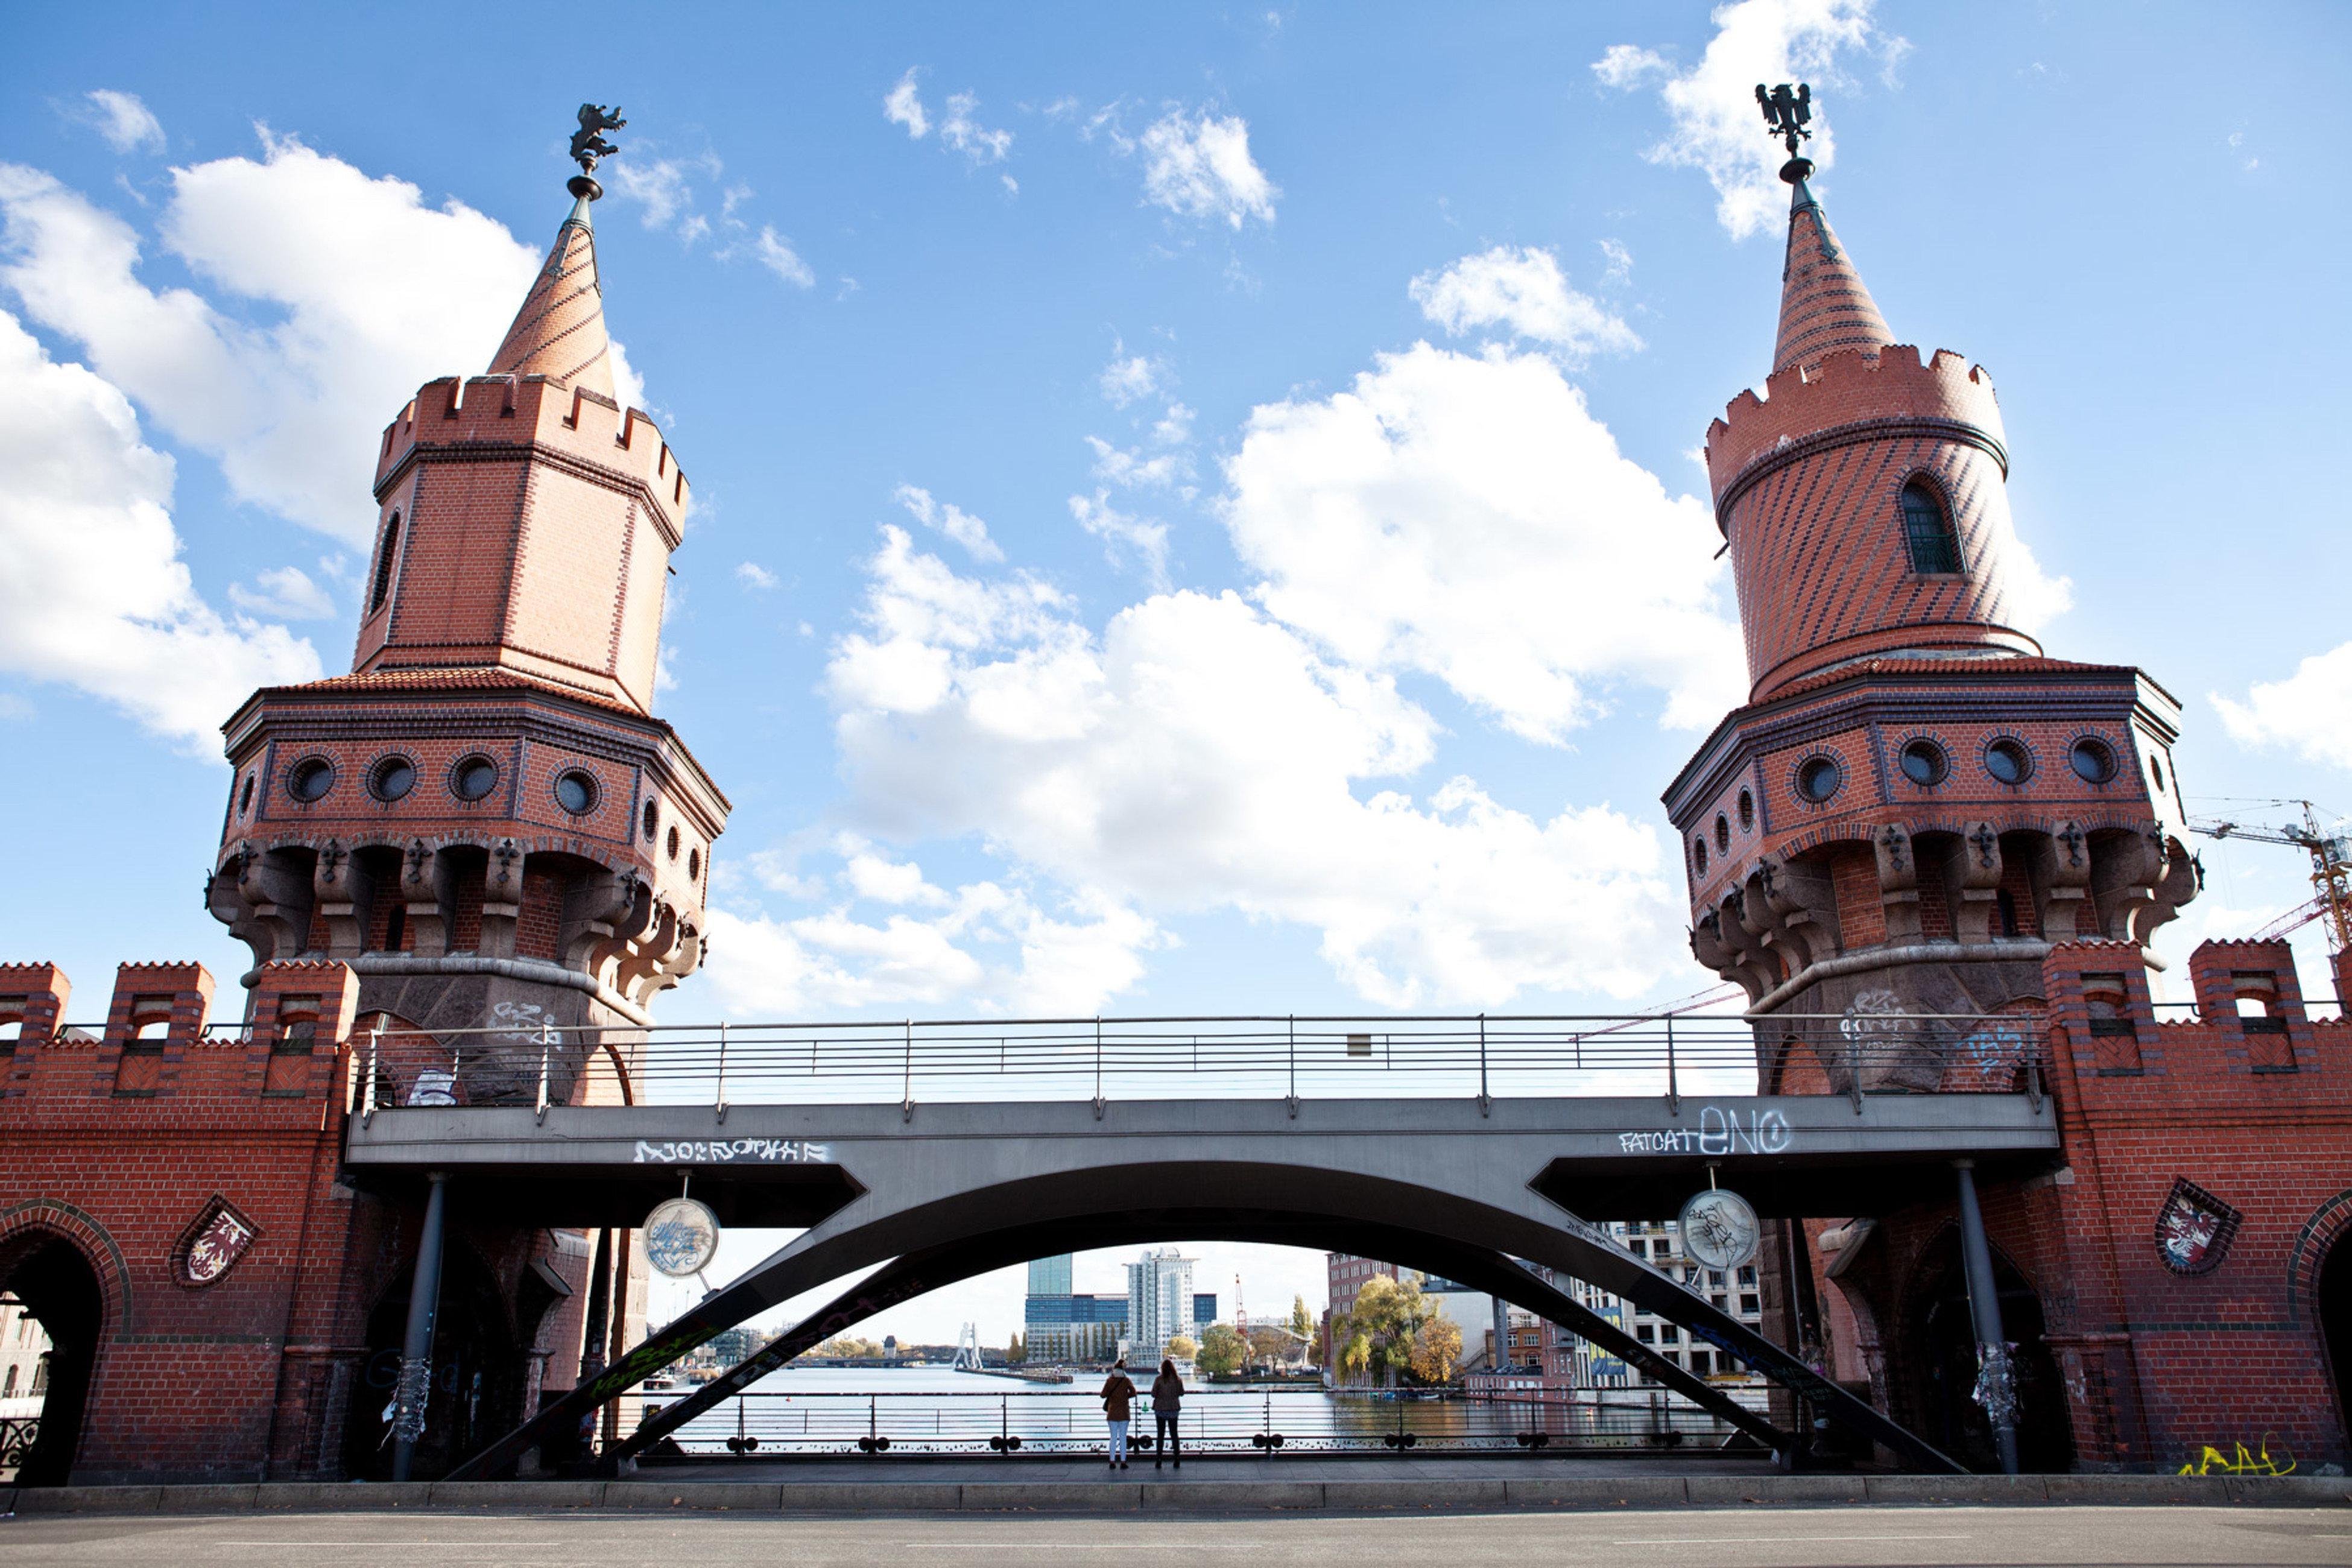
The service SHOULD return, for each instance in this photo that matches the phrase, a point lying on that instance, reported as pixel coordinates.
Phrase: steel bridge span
(938, 1189)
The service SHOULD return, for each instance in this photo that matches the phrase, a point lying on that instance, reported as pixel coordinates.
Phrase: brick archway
(70, 1275)
(2318, 1237)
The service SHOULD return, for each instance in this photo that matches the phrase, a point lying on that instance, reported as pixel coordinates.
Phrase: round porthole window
(575, 791)
(694, 865)
(1698, 855)
(2093, 760)
(1818, 778)
(2009, 762)
(2155, 774)
(653, 820)
(245, 796)
(474, 778)
(1722, 832)
(673, 843)
(1746, 811)
(311, 779)
(1924, 763)
(392, 778)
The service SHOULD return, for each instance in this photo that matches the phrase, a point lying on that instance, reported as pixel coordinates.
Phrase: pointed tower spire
(559, 331)
(1824, 305)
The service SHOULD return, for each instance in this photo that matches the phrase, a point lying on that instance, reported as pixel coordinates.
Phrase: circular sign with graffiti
(1719, 1229)
(681, 1236)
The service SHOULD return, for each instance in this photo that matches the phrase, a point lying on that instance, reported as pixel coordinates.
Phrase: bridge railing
(1215, 1420)
(910, 1062)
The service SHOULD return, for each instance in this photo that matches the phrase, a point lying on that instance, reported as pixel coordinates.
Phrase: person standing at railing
(1117, 1394)
(1167, 1399)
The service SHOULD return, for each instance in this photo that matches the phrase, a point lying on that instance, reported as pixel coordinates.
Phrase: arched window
(1934, 546)
(384, 564)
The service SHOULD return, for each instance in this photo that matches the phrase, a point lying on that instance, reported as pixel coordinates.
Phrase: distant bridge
(1459, 1144)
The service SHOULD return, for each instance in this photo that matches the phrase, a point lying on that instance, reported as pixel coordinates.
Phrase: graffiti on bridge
(1719, 1132)
(2261, 1462)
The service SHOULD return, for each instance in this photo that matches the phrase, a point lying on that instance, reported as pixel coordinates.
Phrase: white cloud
(1625, 66)
(364, 293)
(961, 131)
(1128, 377)
(1469, 517)
(1200, 166)
(1129, 468)
(951, 519)
(1124, 535)
(664, 187)
(1197, 755)
(776, 254)
(285, 594)
(874, 876)
(2308, 713)
(751, 574)
(1175, 427)
(95, 595)
(902, 105)
(125, 123)
(1715, 124)
(997, 949)
(1620, 259)
(1524, 293)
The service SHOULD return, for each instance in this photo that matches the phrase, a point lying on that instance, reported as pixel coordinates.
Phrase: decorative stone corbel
(501, 898)
(1898, 880)
(1977, 884)
(2065, 883)
(341, 892)
(428, 886)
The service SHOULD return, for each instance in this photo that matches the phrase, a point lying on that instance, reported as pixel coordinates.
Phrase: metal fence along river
(1216, 1420)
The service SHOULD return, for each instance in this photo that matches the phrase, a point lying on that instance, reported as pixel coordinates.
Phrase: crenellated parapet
(488, 417)
(1850, 397)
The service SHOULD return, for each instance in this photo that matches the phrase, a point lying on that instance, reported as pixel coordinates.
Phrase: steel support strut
(1996, 1378)
(415, 1388)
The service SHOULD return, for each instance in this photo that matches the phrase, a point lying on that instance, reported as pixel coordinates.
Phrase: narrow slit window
(383, 564)
(1934, 546)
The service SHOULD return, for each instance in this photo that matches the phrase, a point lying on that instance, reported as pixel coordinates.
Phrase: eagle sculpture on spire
(1787, 112)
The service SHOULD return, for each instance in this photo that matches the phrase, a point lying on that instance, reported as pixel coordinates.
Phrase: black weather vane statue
(588, 142)
(1787, 112)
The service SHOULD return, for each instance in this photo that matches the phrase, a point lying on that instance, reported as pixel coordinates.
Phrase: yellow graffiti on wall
(2213, 1462)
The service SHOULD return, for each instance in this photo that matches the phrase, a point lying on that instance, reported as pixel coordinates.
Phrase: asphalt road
(1896, 1537)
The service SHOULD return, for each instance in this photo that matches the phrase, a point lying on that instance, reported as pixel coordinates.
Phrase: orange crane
(2331, 871)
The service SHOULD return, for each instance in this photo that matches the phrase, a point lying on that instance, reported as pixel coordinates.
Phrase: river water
(806, 1410)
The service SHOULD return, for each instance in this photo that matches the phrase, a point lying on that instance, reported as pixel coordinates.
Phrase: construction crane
(2331, 871)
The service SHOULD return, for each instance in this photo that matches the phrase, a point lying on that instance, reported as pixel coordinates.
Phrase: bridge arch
(946, 1214)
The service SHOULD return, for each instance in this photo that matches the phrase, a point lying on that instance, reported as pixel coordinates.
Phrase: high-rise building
(1050, 1276)
(1158, 1302)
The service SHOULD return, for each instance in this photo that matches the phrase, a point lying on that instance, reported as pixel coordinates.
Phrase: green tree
(1301, 1323)
(1016, 1351)
(1222, 1350)
(1183, 1347)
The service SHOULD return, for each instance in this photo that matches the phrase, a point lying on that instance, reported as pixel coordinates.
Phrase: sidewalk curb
(1582, 1493)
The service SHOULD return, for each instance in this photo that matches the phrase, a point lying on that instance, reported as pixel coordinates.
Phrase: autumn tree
(1301, 1323)
(1436, 1347)
(1375, 1336)
(1183, 1347)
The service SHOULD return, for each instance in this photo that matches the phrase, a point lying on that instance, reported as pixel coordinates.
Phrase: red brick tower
(484, 818)
(1916, 802)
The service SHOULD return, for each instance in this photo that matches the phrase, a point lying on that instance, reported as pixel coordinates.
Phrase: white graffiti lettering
(1719, 1132)
(732, 1150)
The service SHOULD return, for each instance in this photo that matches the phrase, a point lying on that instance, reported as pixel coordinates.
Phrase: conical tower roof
(1823, 306)
(559, 331)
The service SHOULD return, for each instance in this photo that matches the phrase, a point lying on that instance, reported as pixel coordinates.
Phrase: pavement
(1917, 1537)
(1328, 1485)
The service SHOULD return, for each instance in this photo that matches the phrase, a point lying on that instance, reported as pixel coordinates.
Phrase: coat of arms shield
(214, 1244)
(2194, 1228)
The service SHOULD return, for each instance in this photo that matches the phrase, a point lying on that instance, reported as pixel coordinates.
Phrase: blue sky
(1195, 506)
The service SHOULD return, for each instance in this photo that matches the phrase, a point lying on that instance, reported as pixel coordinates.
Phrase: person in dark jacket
(1118, 1393)
(1167, 1399)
